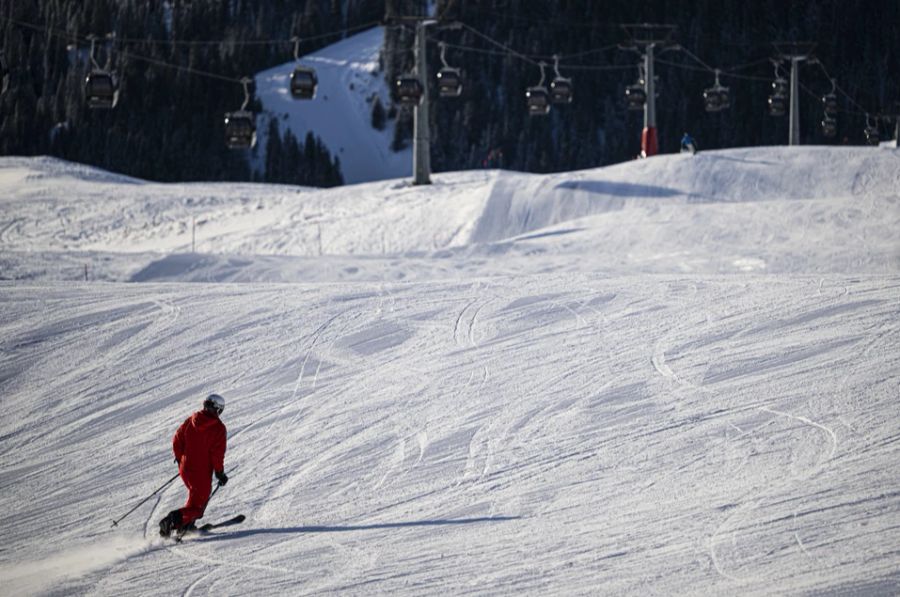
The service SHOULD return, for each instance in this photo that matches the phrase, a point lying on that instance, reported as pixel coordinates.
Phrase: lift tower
(648, 38)
(421, 133)
(795, 53)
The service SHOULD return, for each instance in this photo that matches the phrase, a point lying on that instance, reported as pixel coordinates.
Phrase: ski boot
(171, 522)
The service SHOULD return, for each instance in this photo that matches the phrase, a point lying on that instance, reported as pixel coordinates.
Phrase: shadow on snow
(350, 528)
(621, 189)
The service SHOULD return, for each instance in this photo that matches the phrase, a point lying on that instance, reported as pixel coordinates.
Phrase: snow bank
(810, 209)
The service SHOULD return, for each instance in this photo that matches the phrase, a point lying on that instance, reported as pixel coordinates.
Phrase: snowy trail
(671, 376)
(551, 452)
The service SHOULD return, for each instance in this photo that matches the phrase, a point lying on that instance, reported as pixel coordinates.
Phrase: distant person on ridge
(199, 446)
(688, 144)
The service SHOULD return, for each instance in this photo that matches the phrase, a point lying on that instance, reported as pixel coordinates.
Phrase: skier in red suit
(199, 447)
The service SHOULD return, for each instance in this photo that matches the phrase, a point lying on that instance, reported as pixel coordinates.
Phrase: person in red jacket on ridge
(199, 447)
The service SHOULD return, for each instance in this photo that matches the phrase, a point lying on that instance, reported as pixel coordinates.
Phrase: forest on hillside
(168, 124)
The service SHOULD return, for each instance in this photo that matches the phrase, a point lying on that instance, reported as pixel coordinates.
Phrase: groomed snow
(672, 376)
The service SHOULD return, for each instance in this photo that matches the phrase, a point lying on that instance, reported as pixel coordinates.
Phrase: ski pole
(218, 485)
(116, 522)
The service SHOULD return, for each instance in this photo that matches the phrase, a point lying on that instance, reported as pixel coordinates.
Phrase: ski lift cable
(747, 65)
(588, 52)
(835, 87)
(500, 45)
(614, 27)
(126, 53)
(816, 96)
(474, 50)
(135, 56)
(186, 69)
(722, 72)
(838, 88)
(697, 59)
(249, 42)
(234, 42)
(535, 58)
(507, 51)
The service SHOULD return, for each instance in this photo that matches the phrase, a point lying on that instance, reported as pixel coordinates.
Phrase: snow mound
(807, 209)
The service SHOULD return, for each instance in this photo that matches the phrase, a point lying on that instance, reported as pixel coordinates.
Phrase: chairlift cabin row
(409, 90)
(779, 97)
(538, 97)
(830, 104)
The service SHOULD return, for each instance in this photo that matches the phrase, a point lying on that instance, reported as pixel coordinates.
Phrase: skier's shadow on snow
(352, 528)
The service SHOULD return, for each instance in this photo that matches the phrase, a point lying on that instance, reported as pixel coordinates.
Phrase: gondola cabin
(304, 83)
(561, 90)
(409, 91)
(449, 82)
(712, 100)
(780, 86)
(4, 74)
(829, 126)
(101, 90)
(240, 129)
(872, 137)
(830, 104)
(716, 99)
(724, 98)
(635, 96)
(777, 105)
(538, 100)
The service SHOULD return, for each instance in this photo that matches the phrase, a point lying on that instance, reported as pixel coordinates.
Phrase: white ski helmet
(214, 402)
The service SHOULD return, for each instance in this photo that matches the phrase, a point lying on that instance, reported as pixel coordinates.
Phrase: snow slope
(671, 376)
(341, 113)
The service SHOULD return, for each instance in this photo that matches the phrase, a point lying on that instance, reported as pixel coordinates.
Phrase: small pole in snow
(897, 123)
(85, 272)
(193, 234)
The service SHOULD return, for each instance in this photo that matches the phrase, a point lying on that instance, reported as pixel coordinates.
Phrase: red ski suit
(199, 446)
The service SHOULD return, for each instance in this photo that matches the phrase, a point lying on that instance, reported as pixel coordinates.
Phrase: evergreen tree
(378, 115)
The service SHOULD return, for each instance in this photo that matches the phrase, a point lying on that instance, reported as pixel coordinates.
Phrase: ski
(225, 523)
(210, 526)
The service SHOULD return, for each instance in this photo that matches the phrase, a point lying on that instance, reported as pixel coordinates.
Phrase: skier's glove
(222, 477)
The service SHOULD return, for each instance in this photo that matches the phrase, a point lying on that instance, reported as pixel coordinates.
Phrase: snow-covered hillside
(673, 376)
(341, 113)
